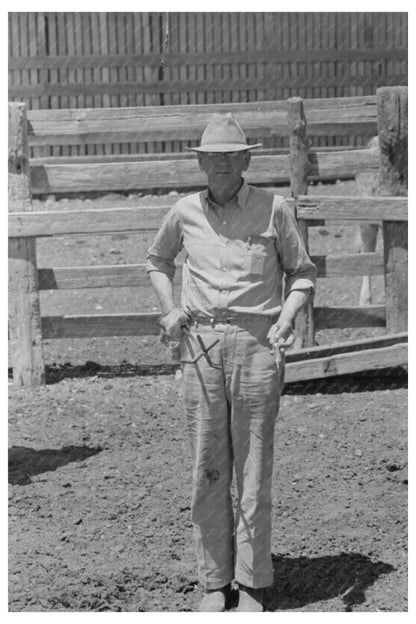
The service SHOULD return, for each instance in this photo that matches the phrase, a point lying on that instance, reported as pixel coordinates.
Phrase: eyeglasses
(224, 155)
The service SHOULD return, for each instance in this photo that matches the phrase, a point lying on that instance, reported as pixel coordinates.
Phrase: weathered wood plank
(298, 147)
(86, 222)
(114, 276)
(347, 363)
(134, 275)
(149, 123)
(393, 180)
(24, 306)
(100, 325)
(364, 208)
(73, 126)
(396, 275)
(349, 346)
(97, 159)
(95, 221)
(146, 324)
(299, 168)
(145, 175)
(332, 164)
(350, 264)
(264, 169)
(357, 105)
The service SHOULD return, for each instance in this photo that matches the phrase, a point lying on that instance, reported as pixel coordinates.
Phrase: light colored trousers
(230, 415)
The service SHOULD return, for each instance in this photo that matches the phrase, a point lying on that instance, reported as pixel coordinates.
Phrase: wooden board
(95, 221)
(114, 276)
(347, 363)
(100, 325)
(365, 208)
(99, 158)
(264, 169)
(24, 305)
(124, 176)
(134, 275)
(259, 119)
(72, 326)
(349, 346)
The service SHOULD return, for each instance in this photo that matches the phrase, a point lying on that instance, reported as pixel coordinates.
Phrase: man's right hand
(172, 323)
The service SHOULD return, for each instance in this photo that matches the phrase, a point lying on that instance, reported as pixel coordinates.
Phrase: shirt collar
(241, 196)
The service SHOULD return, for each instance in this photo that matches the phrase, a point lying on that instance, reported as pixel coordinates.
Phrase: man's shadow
(303, 580)
(26, 462)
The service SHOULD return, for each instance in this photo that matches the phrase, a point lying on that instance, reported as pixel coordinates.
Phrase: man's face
(224, 167)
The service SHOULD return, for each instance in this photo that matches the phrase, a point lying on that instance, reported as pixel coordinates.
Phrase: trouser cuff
(257, 583)
(216, 584)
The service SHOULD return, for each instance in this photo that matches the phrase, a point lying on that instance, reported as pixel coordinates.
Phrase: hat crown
(223, 134)
(223, 130)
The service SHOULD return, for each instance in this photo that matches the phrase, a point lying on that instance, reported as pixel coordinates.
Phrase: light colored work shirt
(236, 255)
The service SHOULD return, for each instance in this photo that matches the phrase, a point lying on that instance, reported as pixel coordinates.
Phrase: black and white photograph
(208, 310)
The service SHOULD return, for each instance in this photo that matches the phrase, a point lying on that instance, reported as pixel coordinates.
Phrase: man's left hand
(281, 335)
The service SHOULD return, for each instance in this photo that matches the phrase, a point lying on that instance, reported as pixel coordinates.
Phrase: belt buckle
(226, 320)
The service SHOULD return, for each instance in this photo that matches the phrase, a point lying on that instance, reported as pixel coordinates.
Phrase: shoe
(214, 600)
(250, 599)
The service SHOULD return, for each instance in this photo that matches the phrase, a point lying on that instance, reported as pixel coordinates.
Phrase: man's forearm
(282, 330)
(163, 287)
(293, 304)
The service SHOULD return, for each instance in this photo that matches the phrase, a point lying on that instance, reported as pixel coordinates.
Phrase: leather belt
(229, 320)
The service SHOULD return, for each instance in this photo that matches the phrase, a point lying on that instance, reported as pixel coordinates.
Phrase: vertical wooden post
(299, 166)
(392, 117)
(24, 306)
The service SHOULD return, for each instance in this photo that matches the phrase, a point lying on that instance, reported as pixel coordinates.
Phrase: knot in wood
(299, 126)
(17, 161)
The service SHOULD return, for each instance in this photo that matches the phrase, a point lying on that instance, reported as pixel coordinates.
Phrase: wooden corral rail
(261, 120)
(111, 220)
(28, 328)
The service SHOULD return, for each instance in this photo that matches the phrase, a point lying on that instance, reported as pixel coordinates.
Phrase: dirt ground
(99, 467)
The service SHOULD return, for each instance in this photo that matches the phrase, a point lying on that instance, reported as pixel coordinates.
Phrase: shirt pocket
(258, 249)
(202, 256)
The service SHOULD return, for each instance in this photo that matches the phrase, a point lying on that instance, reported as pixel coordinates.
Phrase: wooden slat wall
(78, 60)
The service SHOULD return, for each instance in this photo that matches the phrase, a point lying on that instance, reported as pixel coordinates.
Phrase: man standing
(240, 242)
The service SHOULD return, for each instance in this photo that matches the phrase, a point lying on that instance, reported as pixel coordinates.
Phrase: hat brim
(223, 147)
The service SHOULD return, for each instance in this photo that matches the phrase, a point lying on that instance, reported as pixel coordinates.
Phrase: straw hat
(223, 134)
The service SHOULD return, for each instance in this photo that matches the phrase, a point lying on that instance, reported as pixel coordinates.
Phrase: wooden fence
(28, 327)
(90, 60)
(180, 124)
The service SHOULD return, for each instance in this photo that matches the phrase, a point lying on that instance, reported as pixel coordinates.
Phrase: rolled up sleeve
(166, 245)
(299, 270)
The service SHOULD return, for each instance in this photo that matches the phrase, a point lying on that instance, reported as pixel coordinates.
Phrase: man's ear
(247, 158)
(201, 166)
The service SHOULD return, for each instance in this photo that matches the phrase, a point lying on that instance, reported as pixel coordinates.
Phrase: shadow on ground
(26, 462)
(370, 381)
(300, 581)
